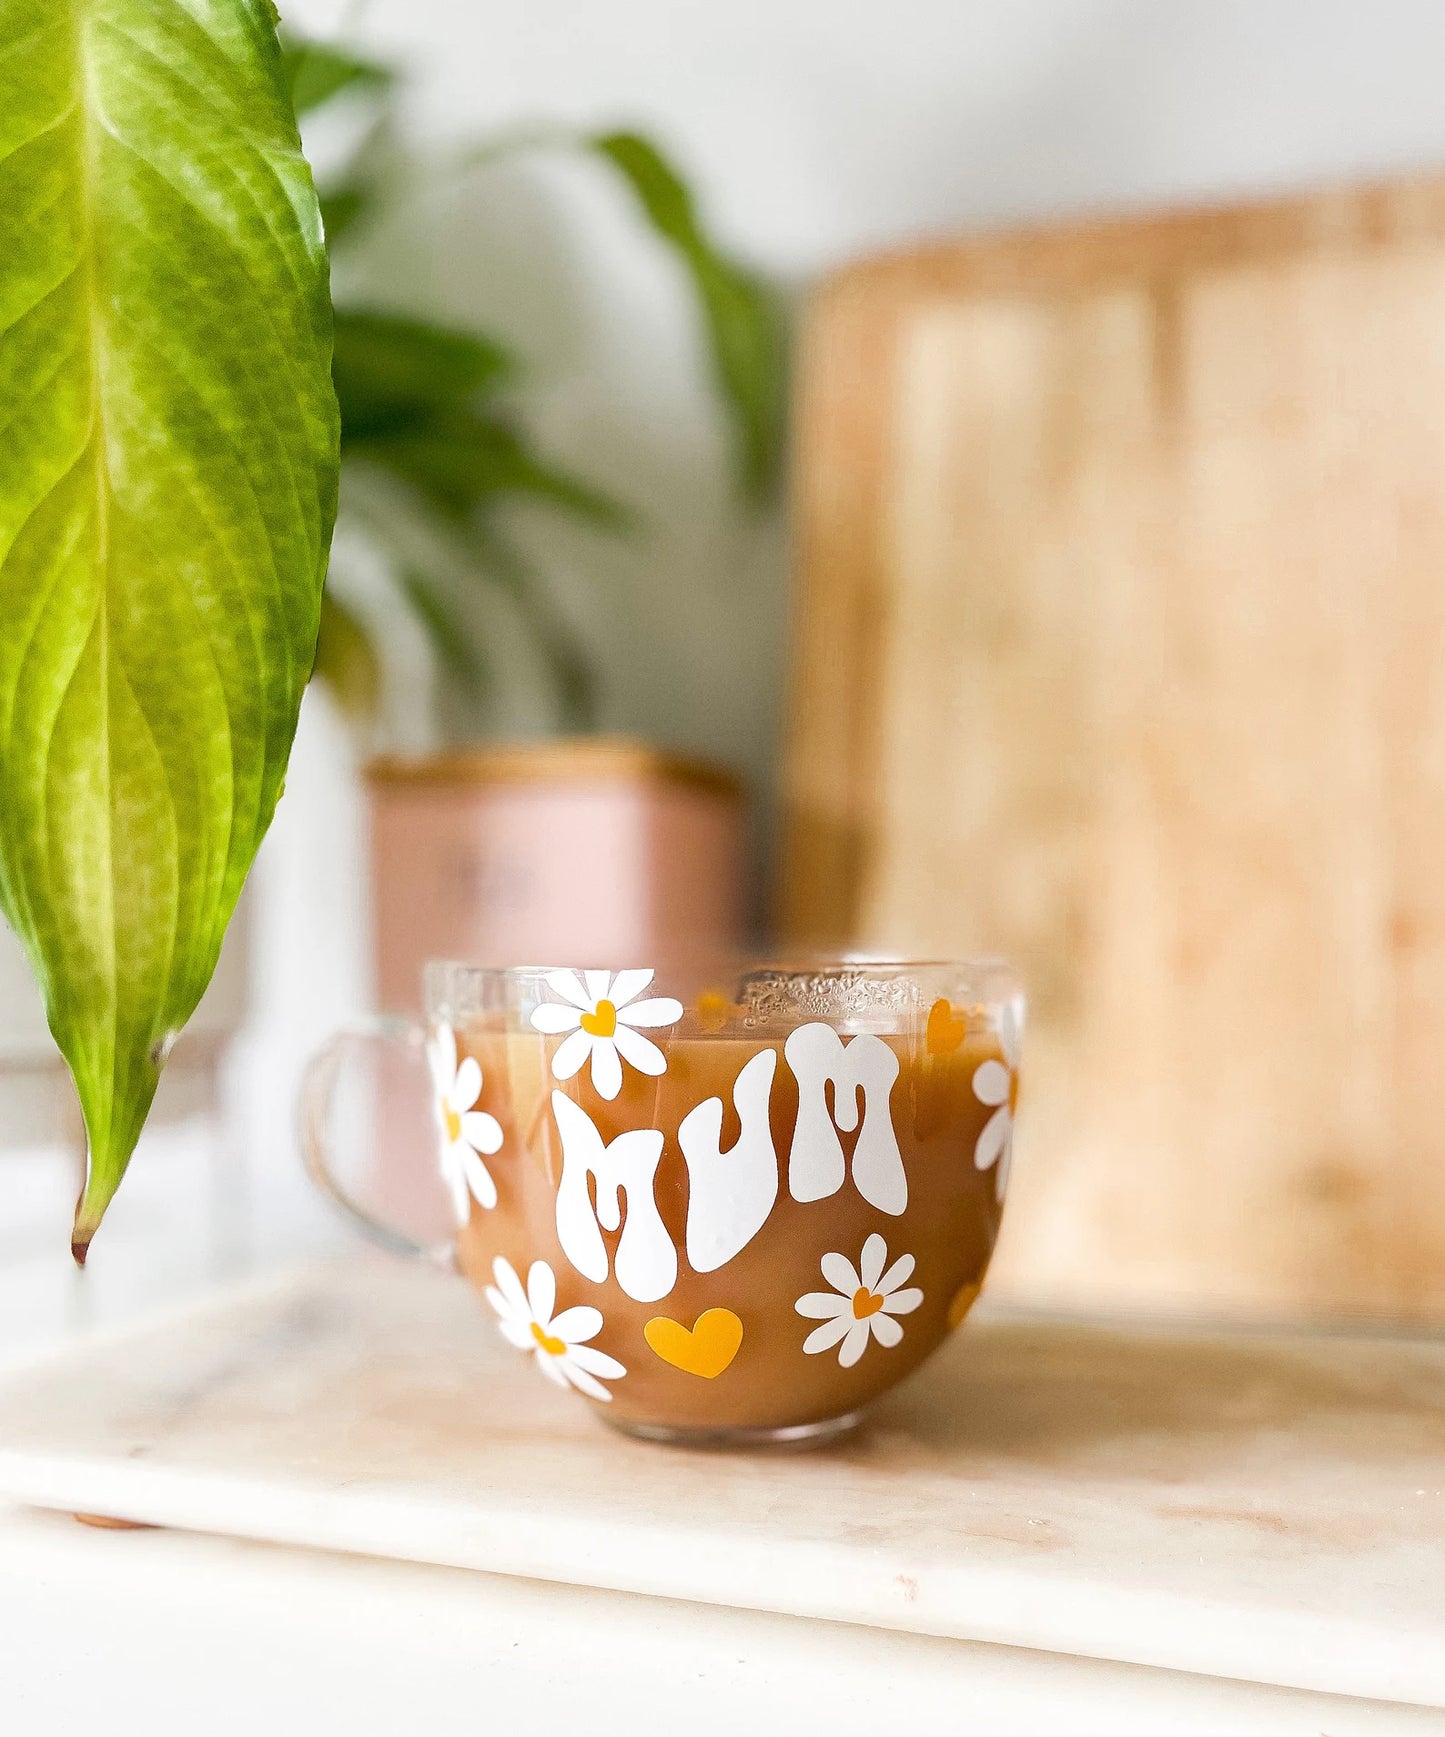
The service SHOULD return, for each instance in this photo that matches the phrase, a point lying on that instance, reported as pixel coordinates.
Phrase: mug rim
(821, 985)
(787, 963)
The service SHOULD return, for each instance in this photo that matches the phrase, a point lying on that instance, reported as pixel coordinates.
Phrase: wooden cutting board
(1253, 1508)
(1121, 649)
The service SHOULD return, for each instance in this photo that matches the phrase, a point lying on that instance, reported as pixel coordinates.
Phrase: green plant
(168, 478)
(427, 430)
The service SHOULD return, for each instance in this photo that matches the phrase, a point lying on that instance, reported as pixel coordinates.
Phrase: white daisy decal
(466, 1132)
(996, 1085)
(559, 1343)
(602, 1012)
(862, 1304)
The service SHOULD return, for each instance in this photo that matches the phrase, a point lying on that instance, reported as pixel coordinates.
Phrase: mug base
(792, 1437)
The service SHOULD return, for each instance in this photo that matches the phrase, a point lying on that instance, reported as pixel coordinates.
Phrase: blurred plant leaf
(317, 71)
(444, 628)
(744, 320)
(346, 659)
(343, 207)
(461, 461)
(444, 559)
(394, 372)
(565, 655)
(166, 504)
(409, 391)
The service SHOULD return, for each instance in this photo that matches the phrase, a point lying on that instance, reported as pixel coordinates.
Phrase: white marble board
(1270, 1509)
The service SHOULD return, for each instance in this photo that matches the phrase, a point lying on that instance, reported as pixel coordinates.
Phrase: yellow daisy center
(453, 1123)
(865, 1303)
(553, 1347)
(602, 1021)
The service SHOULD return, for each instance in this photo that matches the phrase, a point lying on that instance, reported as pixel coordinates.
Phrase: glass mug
(724, 1207)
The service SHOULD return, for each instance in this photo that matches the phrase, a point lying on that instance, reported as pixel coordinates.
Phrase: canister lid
(573, 760)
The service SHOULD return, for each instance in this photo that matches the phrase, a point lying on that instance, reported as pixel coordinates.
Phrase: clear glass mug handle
(393, 1049)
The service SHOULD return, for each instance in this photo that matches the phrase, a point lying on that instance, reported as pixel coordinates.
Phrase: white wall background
(820, 127)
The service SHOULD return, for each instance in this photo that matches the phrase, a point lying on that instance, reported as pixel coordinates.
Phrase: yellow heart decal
(707, 1350)
(944, 1033)
(603, 1022)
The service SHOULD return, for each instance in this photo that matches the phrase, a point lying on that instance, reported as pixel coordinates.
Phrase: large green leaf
(168, 464)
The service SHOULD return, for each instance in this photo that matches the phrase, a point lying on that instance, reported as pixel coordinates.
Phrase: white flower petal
(479, 1180)
(541, 1293)
(597, 985)
(482, 1131)
(571, 1053)
(457, 1184)
(566, 984)
(547, 1363)
(441, 1055)
(993, 1141)
(606, 1069)
(840, 1274)
(991, 1083)
(511, 1286)
(498, 1302)
(1010, 1034)
(854, 1345)
(662, 1011)
(469, 1084)
(898, 1274)
(596, 1362)
(552, 1017)
(577, 1324)
(582, 1381)
(518, 1333)
(1003, 1169)
(639, 1052)
(902, 1302)
(875, 1253)
(824, 1338)
(885, 1329)
(824, 1305)
(625, 985)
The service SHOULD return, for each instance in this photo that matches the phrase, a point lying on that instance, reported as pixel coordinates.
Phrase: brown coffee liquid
(949, 1224)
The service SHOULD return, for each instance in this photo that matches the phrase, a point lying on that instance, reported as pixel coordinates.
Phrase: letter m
(864, 1066)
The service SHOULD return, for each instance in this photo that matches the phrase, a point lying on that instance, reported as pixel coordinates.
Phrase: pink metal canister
(600, 850)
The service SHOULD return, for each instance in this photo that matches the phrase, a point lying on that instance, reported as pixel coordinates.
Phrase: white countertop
(165, 1634)
(1245, 1508)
